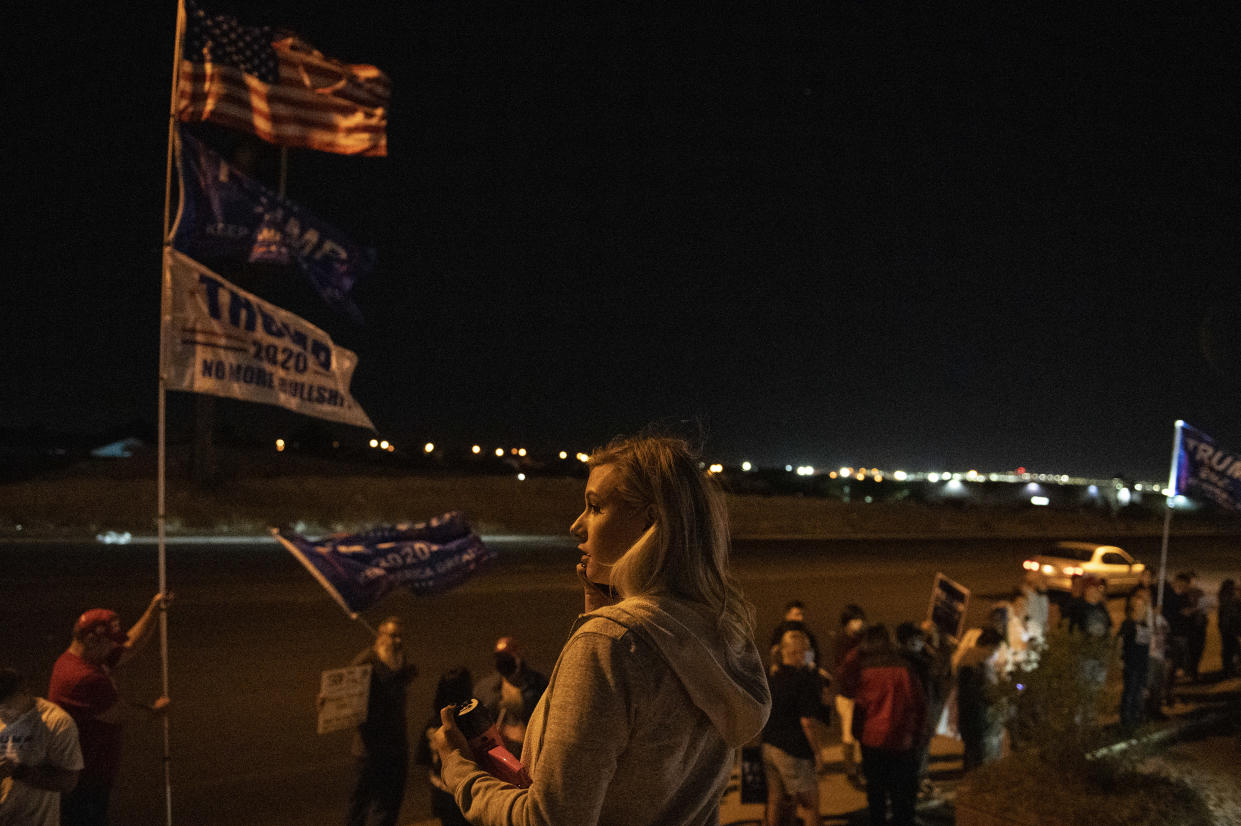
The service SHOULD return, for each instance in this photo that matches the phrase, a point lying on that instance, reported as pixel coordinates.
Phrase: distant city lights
(1028, 487)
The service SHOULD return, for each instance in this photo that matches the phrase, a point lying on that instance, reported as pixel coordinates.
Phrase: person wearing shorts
(791, 751)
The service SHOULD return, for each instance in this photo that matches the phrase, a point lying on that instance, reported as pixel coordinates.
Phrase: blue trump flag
(1204, 468)
(227, 215)
(358, 570)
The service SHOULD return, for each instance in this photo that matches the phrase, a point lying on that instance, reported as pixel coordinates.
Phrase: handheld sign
(343, 694)
(949, 601)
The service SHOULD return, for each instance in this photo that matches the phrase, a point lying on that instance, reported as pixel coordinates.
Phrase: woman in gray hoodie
(660, 681)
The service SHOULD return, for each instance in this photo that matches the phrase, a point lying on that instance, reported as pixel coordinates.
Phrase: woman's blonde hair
(684, 552)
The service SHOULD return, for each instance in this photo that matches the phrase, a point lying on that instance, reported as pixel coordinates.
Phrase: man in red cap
(511, 692)
(82, 685)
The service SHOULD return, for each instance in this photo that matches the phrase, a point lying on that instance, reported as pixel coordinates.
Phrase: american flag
(276, 86)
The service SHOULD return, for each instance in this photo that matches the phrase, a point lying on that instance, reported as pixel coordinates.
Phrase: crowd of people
(658, 686)
(893, 693)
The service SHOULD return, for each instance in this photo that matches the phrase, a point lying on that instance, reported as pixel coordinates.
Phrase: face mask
(506, 664)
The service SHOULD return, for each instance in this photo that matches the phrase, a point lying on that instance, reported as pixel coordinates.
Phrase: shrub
(1058, 717)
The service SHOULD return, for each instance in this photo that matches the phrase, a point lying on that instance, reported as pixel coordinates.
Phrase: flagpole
(1167, 514)
(165, 312)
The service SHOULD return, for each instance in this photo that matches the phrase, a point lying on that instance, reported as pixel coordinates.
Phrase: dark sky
(976, 237)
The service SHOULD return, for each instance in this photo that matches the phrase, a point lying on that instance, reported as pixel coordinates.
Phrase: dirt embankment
(318, 504)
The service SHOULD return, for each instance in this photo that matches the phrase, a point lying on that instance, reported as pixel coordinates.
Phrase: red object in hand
(489, 750)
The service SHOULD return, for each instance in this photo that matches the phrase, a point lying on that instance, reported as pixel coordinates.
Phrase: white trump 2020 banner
(224, 341)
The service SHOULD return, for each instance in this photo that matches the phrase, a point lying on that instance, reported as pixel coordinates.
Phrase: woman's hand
(448, 738)
(594, 596)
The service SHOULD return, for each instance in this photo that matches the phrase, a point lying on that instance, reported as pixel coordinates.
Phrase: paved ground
(250, 632)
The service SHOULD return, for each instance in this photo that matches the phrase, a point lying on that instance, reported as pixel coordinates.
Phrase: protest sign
(949, 601)
(343, 696)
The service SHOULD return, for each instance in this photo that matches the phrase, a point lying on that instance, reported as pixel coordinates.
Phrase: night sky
(934, 238)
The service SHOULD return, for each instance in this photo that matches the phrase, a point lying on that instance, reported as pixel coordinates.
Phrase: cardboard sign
(949, 601)
(343, 694)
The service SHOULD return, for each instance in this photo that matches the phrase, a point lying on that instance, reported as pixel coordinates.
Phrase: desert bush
(1060, 718)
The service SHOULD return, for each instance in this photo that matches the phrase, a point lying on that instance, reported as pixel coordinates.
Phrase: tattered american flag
(276, 86)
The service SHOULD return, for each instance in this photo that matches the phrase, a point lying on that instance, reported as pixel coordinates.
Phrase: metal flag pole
(165, 321)
(1167, 513)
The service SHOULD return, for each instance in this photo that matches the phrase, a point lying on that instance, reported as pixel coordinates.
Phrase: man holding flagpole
(82, 685)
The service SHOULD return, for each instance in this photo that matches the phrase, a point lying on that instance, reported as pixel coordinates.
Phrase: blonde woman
(660, 680)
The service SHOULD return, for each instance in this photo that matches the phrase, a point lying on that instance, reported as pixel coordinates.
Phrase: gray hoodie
(638, 725)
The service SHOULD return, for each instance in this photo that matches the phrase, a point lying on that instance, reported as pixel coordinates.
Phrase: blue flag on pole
(358, 570)
(1205, 468)
(227, 215)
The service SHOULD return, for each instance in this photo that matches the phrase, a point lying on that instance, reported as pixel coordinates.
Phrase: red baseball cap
(100, 618)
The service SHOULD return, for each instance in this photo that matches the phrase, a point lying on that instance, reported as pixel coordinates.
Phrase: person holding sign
(660, 681)
(381, 744)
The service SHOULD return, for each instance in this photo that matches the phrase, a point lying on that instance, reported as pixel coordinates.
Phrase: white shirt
(43, 736)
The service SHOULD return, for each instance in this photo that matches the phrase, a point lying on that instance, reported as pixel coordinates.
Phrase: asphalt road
(250, 631)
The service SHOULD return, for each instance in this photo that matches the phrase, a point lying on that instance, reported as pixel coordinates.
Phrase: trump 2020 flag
(223, 341)
(358, 570)
(1204, 468)
(227, 215)
(276, 86)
